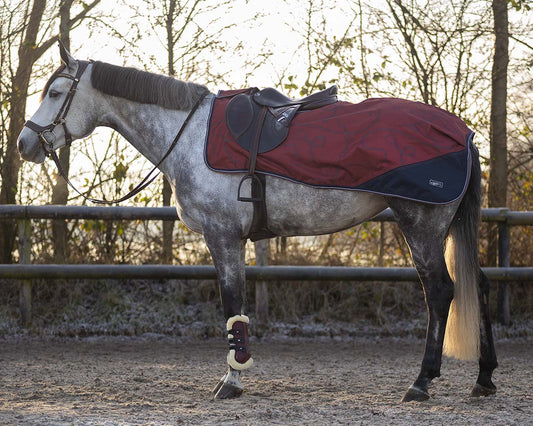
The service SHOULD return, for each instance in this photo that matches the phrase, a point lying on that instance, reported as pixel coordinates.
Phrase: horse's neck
(151, 129)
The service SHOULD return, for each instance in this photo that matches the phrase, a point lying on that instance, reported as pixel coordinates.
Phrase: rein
(49, 148)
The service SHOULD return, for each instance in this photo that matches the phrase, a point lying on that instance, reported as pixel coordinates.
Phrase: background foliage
(438, 52)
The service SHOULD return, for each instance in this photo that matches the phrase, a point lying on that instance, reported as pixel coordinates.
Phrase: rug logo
(436, 183)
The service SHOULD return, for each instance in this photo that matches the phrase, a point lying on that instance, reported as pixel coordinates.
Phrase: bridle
(61, 117)
(49, 145)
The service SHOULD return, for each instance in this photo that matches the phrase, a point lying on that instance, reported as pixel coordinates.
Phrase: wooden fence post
(261, 291)
(24, 244)
(504, 261)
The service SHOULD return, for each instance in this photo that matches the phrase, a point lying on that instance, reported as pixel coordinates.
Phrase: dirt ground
(156, 380)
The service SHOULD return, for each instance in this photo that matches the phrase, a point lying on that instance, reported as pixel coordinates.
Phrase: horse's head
(66, 111)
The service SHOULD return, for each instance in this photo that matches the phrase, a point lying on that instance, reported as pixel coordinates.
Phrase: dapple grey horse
(148, 109)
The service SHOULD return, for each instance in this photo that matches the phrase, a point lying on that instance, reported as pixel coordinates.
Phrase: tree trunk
(168, 225)
(60, 189)
(497, 196)
(498, 114)
(11, 161)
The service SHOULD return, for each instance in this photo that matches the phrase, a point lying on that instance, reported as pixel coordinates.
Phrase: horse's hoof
(226, 391)
(229, 386)
(415, 394)
(480, 390)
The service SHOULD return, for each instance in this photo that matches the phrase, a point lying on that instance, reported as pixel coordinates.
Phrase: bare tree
(498, 115)
(497, 195)
(27, 55)
(319, 49)
(439, 42)
(30, 49)
(60, 189)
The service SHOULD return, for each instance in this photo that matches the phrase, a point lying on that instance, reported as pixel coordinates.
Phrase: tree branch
(529, 46)
(55, 38)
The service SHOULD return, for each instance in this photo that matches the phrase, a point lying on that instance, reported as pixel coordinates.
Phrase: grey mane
(145, 87)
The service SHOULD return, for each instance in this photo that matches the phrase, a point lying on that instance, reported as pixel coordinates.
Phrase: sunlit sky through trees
(301, 46)
(277, 27)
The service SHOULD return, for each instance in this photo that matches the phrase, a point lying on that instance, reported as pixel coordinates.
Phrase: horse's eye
(53, 94)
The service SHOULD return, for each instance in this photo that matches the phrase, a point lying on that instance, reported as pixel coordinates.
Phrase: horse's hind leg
(487, 359)
(227, 250)
(425, 228)
(438, 291)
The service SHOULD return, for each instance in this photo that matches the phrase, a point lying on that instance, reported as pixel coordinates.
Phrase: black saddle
(245, 121)
(259, 121)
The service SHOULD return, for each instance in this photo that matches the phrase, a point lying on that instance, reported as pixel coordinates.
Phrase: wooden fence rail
(25, 271)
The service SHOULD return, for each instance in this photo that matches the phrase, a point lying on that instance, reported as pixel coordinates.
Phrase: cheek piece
(46, 133)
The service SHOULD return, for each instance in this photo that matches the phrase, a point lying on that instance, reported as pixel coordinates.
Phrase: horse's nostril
(21, 146)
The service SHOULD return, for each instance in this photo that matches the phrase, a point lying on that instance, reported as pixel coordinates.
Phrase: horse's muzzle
(30, 151)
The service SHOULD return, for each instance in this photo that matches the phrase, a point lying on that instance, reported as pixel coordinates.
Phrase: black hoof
(415, 394)
(480, 390)
(226, 391)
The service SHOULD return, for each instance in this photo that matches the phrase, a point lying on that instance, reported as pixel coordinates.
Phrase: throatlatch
(239, 356)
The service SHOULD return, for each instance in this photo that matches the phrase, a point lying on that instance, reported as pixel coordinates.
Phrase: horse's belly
(295, 209)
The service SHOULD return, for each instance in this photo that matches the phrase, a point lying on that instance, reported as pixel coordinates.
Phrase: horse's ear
(66, 58)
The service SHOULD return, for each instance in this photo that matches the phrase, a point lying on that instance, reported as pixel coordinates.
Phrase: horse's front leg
(227, 250)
